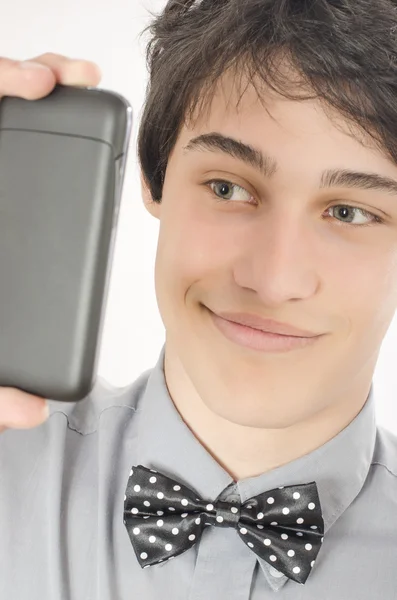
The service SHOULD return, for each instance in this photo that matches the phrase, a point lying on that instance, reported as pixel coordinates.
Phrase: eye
(373, 219)
(227, 189)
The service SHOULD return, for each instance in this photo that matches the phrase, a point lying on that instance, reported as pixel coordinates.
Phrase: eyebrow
(267, 165)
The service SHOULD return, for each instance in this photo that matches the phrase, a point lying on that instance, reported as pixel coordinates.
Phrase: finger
(70, 71)
(25, 83)
(19, 410)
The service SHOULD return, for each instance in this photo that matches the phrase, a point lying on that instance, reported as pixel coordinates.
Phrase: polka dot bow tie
(164, 518)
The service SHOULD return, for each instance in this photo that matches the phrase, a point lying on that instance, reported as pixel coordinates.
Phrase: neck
(247, 451)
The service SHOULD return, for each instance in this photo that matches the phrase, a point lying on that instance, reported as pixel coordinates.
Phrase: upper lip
(268, 325)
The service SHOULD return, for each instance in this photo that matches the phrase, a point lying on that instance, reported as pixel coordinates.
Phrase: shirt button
(275, 573)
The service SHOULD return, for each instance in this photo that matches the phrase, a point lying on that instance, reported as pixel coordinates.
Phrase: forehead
(292, 131)
(243, 106)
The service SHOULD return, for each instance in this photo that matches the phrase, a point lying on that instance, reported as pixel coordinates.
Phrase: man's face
(281, 248)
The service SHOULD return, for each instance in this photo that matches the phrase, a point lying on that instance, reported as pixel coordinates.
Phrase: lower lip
(260, 340)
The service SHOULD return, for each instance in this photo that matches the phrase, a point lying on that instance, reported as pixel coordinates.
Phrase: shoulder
(84, 416)
(385, 453)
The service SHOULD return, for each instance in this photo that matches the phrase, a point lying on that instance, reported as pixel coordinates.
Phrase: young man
(245, 463)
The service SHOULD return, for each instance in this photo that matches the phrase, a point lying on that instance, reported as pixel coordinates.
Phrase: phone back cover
(61, 163)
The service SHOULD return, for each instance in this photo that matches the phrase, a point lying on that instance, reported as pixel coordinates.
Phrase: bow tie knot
(227, 514)
(164, 518)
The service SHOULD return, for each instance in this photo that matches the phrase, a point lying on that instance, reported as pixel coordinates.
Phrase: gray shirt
(62, 489)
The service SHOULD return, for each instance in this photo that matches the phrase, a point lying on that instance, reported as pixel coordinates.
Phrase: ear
(152, 207)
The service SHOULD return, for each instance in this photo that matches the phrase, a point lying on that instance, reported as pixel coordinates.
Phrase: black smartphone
(62, 167)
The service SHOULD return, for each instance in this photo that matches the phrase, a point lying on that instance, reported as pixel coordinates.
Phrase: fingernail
(31, 65)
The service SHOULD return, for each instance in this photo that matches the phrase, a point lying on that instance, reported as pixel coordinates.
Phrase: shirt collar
(339, 467)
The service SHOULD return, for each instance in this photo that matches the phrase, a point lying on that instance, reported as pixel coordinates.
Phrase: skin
(284, 256)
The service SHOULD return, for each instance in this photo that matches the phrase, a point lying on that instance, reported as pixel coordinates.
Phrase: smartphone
(62, 168)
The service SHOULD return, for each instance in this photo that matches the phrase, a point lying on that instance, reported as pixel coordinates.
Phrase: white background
(107, 33)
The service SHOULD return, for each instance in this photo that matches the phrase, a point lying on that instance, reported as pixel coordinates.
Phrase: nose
(278, 260)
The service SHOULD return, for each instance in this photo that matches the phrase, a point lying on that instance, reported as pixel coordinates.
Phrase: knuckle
(52, 56)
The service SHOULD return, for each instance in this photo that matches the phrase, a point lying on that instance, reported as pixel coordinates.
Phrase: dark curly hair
(344, 52)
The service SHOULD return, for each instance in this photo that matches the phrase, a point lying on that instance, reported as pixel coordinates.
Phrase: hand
(18, 409)
(32, 84)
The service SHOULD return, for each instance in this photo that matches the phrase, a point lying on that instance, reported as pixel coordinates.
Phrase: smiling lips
(263, 335)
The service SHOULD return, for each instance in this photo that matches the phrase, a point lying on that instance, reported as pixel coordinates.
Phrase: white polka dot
(300, 520)
(281, 487)
(274, 523)
(131, 472)
(272, 557)
(260, 515)
(270, 500)
(134, 511)
(250, 544)
(296, 570)
(137, 488)
(177, 488)
(312, 563)
(168, 547)
(234, 509)
(125, 498)
(243, 530)
(153, 471)
(210, 507)
(308, 546)
(148, 517)
(160, 523)
(275, 573)
(260, 526)
(171, 508)
(267, 542)
(291, 553)
(184, 502)
(160, 495)
(311, 506)
(152, 539)
(183, 515)
(136, 531)
(143, 555)
(249, 506)
(313, 526)
(285, 511)
(219, 519)
(198, 521)
(153, 479)
(284, 536)
(296, 495)
(175, 531)
(299, 533)
(322, 539)
(192, 537)
(146, 503)
(160, 513)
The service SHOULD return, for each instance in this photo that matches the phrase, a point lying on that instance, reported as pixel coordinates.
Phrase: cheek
(382, 295)
(195, 243)
(364, 288)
